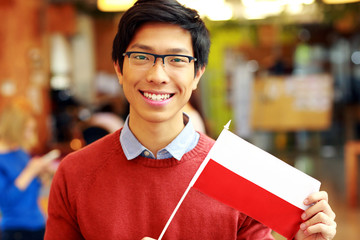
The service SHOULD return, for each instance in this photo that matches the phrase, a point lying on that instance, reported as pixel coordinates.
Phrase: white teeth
(156, 97)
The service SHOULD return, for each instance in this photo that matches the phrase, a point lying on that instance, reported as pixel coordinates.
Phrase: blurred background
(287, 72)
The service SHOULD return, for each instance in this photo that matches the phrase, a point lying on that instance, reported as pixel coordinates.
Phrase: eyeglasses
(144, 60)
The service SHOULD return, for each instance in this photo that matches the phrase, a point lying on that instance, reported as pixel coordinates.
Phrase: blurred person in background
(194, 110)
(20, 185)
(196, 118)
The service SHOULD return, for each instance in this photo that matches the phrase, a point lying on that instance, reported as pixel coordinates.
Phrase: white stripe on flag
(263, 169)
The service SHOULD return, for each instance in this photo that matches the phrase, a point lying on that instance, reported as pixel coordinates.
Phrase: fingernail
(303, 216)
(303, 226)
(306, 201)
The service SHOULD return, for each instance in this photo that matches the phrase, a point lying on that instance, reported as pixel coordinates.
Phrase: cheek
(187, 90)
(129, 89)
(30, 132)
(30, 135)
(185, 81)
(192, 85)
(126, 91)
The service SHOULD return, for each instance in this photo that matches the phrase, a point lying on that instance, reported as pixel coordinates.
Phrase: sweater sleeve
(61, 214)
(254, 230)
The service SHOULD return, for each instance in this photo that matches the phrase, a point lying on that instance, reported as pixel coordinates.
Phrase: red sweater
(98, 194)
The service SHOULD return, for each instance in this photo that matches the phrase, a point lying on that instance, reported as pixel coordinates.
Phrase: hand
(34, 168)
(36, 165)
(319, 219)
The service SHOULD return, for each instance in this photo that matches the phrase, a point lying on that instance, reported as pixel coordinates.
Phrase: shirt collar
(183, 143)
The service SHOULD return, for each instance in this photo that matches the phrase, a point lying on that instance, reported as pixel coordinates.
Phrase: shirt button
(146, 153)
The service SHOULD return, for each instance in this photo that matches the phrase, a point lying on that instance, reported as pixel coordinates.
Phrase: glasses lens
(177, 61)
(141, 59)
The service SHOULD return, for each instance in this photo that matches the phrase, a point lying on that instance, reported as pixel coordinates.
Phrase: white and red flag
(254, 182)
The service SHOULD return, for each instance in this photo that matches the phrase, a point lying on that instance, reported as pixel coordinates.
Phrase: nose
(157, 73)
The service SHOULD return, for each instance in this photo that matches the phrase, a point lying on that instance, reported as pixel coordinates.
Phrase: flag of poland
(256, 183)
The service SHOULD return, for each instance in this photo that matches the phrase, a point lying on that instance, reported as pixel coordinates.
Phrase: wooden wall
(105, 30)
(24, 59)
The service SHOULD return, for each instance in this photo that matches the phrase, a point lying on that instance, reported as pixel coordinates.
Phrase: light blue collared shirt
(183, 143)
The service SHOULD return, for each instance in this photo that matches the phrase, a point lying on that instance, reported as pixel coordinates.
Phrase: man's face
(158, 93)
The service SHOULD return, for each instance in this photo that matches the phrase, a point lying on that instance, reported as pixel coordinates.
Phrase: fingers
(321, 206)
(319, 218)
(319, 203)
(315, 197)
(320, 223)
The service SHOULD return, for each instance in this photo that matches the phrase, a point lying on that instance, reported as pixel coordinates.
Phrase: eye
(178, 59)
(140, 56)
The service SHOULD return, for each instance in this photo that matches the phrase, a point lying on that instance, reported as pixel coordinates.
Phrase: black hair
(164, 11)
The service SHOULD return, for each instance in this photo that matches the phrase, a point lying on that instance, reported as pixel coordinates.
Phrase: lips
(158, 97)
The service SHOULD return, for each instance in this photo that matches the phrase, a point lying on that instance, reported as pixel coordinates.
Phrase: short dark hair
(165, 11)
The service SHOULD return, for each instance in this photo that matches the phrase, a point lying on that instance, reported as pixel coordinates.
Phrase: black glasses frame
(156, 56)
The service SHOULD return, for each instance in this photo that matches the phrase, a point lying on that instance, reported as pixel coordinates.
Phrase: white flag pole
(193, 180)
(174, 212)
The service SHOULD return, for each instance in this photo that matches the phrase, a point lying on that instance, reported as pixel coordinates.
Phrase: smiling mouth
(156, 97)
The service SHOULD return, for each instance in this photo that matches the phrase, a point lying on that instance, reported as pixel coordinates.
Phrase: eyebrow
(170, 50)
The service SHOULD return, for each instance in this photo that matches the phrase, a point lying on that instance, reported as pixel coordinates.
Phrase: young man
(126, 185)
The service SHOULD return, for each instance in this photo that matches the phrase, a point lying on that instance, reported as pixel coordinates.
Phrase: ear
(198, 75)
(118, 72)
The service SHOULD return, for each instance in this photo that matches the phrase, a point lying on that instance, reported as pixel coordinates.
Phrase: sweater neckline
(199, 152)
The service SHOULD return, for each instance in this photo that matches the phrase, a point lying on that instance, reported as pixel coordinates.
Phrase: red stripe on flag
(230, 188)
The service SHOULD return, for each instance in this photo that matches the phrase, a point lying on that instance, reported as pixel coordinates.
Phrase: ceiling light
(114, 5)
(259, 9)
(255, 9)
(340, 1)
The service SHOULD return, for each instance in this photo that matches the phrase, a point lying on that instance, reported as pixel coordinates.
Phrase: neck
(156, 135)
